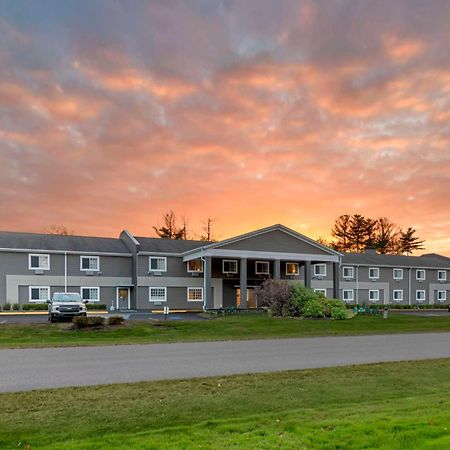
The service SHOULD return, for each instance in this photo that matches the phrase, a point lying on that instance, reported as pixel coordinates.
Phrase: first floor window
(195, 294)
(158, 264)
(158, 294)
(39, 294)
(91, 294)
(442, 296)
(262, 267)
(347, 295)
(374, 295)
(397, 295)
(442, 275)
(420, 274)
(347, 272)
(90, 263)
(291, 268)
(374, 273)
(321, 291)
(39, 262)
(229, 266)
(320, 270)
(420, 296)
(398, 274)
(195, 265)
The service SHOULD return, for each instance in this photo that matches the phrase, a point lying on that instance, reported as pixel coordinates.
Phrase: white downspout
(203, 259)
(409, 287)
(357, 285)
(65, 272)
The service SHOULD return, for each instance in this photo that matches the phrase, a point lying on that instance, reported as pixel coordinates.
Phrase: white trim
(424, 274)
(235, 261)
(117, 296)
(349, 300)
(60, 252)
(296, 265)
(324, 274)
(157, 299)
(39, 255)
(401, 295)
(441, 299)
(90, 258)
(321, 291)
(372, 291)
(377, 277)
(445, 275)
(97, 288)
(393, 273)
(192, 289)
(195, 271)
(352, 276)
(259, 272)
(157, 258)
(417, 296)
(30, 288)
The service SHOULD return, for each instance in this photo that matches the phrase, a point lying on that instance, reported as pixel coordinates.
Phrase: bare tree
(60, 230)
(207, 230)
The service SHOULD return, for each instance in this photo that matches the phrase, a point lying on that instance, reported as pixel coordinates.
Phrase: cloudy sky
(252, 112)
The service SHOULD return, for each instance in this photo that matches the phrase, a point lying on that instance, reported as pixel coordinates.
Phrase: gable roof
(395, 260)
(161, 245)
(52, 242)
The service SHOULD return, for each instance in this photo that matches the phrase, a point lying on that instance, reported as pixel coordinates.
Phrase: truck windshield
(67, 297)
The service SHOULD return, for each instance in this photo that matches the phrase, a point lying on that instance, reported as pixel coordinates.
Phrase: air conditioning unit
(89, 273)
(195, 274)
(39, 272)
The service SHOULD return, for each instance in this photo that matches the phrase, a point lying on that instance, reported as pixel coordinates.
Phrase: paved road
(26, 369)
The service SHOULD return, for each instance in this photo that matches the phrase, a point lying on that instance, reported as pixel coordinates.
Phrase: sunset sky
(252, 112)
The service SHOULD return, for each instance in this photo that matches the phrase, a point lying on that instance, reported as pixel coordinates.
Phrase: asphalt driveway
(27, 369)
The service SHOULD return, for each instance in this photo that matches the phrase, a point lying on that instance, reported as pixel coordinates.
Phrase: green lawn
(390, 406)
(244, 326)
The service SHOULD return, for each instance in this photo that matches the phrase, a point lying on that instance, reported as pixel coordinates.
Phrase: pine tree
(341, 231)
(408, 242)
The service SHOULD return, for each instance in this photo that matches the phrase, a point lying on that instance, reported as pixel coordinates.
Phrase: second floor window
(398, 274)
(374, 273)
(320, 270)
(347, 272)
(157, 264)
(39, 262)
(442, 275)
(90, 263)
(195, 265)
(262, 267)
(291, 268)
(229, 266)
(420, 274)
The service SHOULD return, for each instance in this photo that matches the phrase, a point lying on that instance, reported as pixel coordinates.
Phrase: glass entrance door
(123, 298)
(252, 301)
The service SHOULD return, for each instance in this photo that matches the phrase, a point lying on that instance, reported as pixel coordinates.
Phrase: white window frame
(401, 295)
(445, 275)
(424, 274)
(157, 299)
(195, 271)
(96, 288)
(371, 291)
(235, 261)
(30, 288)
(347, 291)
(417, 295)
(258, 272)
(324, 274)
(321, 291)
(161, 258)
(189, 289)
(351, 268)
(377, 277)
(444, 299)
(401, 274)
(39, 255)
(296, 265)
(90, 258)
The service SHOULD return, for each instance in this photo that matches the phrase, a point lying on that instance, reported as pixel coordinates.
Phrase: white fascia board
(61, 252)
(397, 266)
(252, 254)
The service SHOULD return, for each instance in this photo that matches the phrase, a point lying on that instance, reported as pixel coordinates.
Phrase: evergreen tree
(408, 242)
(170, 230)
(341, 231)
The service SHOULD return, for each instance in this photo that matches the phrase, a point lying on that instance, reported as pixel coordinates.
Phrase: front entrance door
(123, 298)
(251, 298)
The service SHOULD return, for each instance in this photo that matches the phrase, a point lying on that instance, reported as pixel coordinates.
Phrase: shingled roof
(52, 242)
(367, 259)
(159, 245)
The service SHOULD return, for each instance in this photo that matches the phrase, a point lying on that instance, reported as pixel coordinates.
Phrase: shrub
(95, 306)
(115, 320)
(88, 322)
(35, 307)
(314, 308)
(338, 313)
(16, 307)
(275, 294)
(7, 307)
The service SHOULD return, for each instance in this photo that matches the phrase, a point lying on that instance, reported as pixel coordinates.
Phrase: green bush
(115, 320)
(314, 308)
(88, 322)
(7, 307)
(96, 306)
(338, 313)
(16, 307)
(35, 307)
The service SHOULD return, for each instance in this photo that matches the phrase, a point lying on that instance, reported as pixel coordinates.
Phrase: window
(397, 274)
(420, 296)
(194, 294)
(90, 293)
(39, 262)
(347, 295)
(442, 275)
(292, 268)
(89, 263)
(157, 264)
(320, 270)
(420, 274)
(374, 273)
(442, 296)
(397, 295)
(374, 295)
(321, 291)
(262, 267)
(39, 294)
(195, 265)
(347, 272)
(157, 294)
(229, 266)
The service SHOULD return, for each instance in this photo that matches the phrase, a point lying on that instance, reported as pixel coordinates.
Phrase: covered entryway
(252, 298)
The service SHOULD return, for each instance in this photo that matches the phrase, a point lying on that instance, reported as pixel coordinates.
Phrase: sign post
(166, 312)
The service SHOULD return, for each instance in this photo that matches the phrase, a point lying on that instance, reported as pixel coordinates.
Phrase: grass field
(389, 406)
(244, 326)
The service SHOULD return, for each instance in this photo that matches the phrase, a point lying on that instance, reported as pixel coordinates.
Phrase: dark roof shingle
(159, 245)
(395, 260)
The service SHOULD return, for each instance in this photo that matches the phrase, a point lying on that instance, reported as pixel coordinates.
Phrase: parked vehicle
(66, 305)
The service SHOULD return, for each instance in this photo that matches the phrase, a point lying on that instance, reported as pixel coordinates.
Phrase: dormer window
(90, 263)
(195, 265)
(374, 273)
(320, 270)
(348, 272)
(39, 262)
(157, 264)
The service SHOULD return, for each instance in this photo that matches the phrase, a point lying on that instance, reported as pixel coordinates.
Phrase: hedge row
(44, 306)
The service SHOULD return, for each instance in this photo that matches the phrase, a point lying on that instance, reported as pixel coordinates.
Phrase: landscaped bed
(385, 406)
